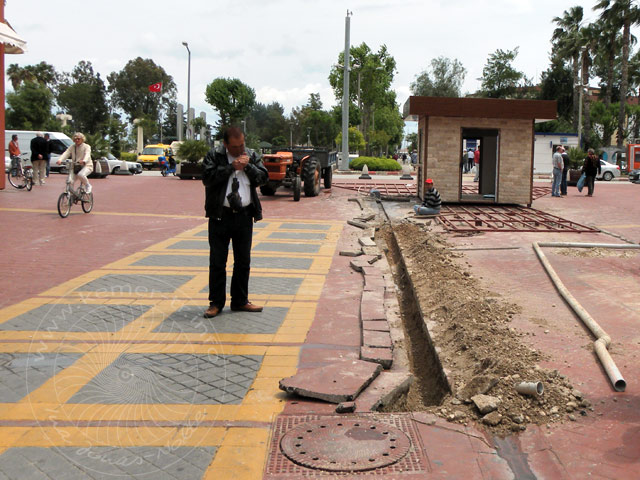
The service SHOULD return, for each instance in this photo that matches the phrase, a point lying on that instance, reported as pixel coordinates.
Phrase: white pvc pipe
(602, 339)
(530, 388)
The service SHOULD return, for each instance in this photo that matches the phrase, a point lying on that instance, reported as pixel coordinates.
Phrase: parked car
(634, 176)
(115, 164)
(608, 171)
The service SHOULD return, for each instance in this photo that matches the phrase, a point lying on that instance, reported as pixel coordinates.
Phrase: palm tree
(621, 13)
(17, 75)
(591, 35)
(567, 42)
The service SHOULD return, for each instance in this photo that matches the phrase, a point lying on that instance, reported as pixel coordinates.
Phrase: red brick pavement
(41, 250)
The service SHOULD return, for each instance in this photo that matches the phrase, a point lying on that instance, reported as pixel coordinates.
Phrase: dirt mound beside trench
(470, 327)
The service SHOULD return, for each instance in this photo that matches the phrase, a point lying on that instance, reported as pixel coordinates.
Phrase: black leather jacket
(215, 177)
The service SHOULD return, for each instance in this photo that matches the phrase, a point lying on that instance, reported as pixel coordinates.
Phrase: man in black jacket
(591, 168)
(231, 175)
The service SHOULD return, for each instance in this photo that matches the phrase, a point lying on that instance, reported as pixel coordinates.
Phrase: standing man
(14, 149)
(470, 157)
(476, 161)
(38, 158)
(565, 170)
(558, 166)
(48, 150)
(431, 203)
(231, 175)
(591, 168)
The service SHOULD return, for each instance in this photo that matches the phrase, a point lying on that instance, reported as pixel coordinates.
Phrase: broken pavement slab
(372, 305)
(383, 356)
(351, 253)
(366, 242)
(384, 390)
(376, 325)
(371, 338)
(337, 382)
(360, 263)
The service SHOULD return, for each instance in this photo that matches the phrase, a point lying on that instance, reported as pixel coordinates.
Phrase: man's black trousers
(237, 228)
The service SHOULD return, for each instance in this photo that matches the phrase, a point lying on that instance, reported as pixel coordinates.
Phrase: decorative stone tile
(189, 320)
(171, 378)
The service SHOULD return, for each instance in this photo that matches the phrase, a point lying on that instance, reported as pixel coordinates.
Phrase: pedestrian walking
(558, 165)
(48, 150)
(565, 170)
(38, 158)
(231, 175)
(476, 161)
(80, 154)
(470, 159)
(591, 168)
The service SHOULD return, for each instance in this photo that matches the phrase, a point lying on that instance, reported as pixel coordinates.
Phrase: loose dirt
(470, 328)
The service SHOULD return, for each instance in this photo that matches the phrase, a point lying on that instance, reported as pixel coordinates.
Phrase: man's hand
(59, 162)
(241, 162)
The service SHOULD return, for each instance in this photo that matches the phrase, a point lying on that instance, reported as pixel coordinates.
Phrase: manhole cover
(345, 444)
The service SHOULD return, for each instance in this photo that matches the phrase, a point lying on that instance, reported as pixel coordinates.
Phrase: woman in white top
(80, 154)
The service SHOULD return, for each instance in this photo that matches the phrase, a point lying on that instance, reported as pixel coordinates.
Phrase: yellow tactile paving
(241, 450)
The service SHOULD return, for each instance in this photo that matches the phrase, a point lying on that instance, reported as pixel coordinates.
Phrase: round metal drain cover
(345, 444)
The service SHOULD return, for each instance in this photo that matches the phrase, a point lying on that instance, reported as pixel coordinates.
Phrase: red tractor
(295, 167)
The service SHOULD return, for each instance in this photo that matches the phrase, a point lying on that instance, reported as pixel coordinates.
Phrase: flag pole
(159, 113)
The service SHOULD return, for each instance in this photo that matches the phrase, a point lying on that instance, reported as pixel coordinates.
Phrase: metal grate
(386, 189)
(413, 465)
(488, 218)
(538, 192)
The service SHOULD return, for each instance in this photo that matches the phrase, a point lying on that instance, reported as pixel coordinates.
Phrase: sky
(283, 49)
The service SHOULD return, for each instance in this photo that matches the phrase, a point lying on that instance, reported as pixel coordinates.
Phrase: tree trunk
(624, 84)
(576, 91)
(612, 57)
(586, 110)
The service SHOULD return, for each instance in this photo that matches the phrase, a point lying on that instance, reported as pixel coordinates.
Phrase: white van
(59, 143)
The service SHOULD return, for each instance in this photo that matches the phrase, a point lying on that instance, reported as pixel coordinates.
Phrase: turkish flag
(156, 87)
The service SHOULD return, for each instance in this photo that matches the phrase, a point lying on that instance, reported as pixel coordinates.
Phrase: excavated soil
(445, 307)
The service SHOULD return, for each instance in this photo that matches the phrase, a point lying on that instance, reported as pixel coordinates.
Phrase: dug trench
(460, 343)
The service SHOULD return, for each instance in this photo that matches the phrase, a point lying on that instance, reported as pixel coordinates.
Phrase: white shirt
(244, 185)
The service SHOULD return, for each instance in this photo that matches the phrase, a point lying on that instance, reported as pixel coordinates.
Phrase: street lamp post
(188, 91)
(583, 51)
(308, 136)
(291, 135)
(344, 164)
(244, 127)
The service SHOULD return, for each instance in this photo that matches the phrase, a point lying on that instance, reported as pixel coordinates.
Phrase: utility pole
(189, 136)
(344, 164)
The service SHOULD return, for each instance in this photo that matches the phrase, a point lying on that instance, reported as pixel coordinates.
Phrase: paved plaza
(108, 370)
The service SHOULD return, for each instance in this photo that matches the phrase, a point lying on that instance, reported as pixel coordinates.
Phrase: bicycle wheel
(64, 204)
(16, 178)
(87, 202)
(28, 181)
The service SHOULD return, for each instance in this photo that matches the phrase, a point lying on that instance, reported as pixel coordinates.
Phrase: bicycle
(72, 196)
(20, 177)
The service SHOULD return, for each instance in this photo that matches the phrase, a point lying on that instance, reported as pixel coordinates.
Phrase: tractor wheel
(328, 177)
(296, 188)
(267, 190)
(311, 177)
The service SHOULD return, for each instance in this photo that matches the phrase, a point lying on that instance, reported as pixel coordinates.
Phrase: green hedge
(374, 164)
(128, 157)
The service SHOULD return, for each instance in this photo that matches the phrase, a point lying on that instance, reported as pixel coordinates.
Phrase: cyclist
(14, 150)
(80, 154)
